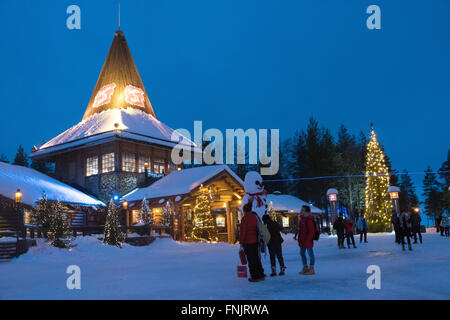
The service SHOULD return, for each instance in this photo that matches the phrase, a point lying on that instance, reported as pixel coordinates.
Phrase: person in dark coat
(248, 238)
(396, 225)
(404, 229)
(274, 245)
(348, 224)
(415, 224)
(338, 225)
(305, 240)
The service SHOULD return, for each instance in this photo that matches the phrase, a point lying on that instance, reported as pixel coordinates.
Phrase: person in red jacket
(305, 239)
(248, 238)
(349, 232)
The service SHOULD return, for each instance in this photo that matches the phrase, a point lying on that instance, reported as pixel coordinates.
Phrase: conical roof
(119, 84)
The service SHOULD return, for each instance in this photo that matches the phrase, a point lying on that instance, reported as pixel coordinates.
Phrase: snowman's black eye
(257, 183)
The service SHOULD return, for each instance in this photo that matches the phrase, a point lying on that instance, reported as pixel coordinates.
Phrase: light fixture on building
(125, 204)
(116, 197)
(18, 196)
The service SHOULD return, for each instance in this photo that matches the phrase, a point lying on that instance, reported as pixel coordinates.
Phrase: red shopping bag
(242, 271)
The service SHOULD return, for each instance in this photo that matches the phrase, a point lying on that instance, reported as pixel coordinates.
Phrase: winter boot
(305, 270)
(310, 271)
(274, 271)
(409, 247)
(354, 246)
(282, 271)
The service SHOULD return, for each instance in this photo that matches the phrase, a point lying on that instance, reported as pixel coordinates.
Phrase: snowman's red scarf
(258, 199)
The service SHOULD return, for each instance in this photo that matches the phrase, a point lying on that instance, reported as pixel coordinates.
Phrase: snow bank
(286, 202)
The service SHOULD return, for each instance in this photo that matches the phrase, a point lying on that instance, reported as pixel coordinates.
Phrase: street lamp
(127, 216)
(393, 193)
(332, 198)
(18, 198)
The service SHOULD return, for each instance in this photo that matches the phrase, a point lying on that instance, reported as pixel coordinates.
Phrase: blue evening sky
(239, 64)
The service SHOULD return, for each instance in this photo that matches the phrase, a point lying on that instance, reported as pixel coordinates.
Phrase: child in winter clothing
(305, 240)
(363, 226)
(338, 225)
(274, 245)
(248, 238)
(349, 232)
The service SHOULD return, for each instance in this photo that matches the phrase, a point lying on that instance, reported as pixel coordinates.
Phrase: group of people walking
(344, 230)
(406, 225)
(443, 224)
(252, 240)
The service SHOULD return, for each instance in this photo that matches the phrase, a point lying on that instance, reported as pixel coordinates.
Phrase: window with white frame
(91, 166)
(285, 221)
(128, 162)
(220, 221)
(141, 161)
(108, 162)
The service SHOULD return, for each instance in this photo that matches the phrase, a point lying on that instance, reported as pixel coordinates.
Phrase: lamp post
(127, 218)
(393, 194)
(146, 172)
(18, 198)
(332, 198)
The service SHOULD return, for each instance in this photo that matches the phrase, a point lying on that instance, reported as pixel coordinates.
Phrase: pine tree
(113, 234)
(40, 166)
(272, 213)
(167, 214)
(59, 231)
(432, 193)
(43, 213)
(204, 226)
(4, 158)
(407, 198)
(378, 204)
(445, 175)
(21, 158)
(145, 215)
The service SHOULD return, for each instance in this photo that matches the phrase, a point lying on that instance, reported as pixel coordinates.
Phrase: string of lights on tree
(204, 227)
(113, 234)
(377, 202)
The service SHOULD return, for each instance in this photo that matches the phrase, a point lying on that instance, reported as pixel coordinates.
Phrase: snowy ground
(172, 270)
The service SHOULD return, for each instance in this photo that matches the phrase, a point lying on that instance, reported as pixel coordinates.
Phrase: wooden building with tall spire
(119, 139)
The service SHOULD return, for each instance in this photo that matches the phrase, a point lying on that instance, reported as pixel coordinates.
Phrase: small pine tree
(112, 234)
(59, 231)
(145, 215)
(21, 158)
(272, 212)
(167, 214)
(4, 158)
(204, 226)
(378, 204)
(43, 214)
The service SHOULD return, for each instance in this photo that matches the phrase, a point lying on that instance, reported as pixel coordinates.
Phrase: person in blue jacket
(362, 227)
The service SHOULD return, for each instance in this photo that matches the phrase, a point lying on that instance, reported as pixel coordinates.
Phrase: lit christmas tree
(113, 235)
(272, 213)
(43, 214)
(145, 215)
(204, 228)
(59, 232)
(167, 214)
(378, 204)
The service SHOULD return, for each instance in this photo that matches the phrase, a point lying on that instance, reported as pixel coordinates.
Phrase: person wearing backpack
(274, 245)
(249, 241)
(305, 240)
(363, 226)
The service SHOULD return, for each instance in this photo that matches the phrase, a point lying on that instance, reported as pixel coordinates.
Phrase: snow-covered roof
(286, 202)
(180, 182)
(33, 183)
(132, 123)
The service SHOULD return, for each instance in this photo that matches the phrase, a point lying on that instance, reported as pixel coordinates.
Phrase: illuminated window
(91, 166)
(157, 215)
(285, 222)
(135, 216)
(141, 161)
(128, 162)
(108, 162)
(27, 217)
(220, 221)
(159, 166)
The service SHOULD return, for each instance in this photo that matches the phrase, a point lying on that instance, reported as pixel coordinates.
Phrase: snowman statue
(255, 193)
